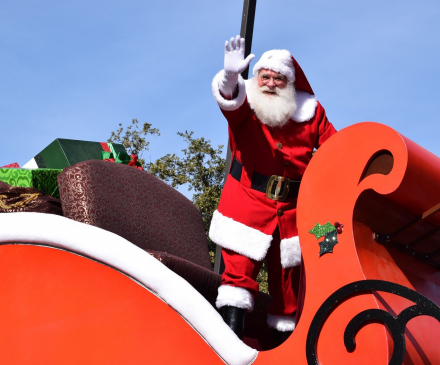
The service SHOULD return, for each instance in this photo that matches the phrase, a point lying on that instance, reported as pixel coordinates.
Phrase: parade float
(124, 275)
(102, 263)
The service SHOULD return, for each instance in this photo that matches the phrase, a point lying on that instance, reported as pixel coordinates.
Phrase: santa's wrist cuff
(223, 84)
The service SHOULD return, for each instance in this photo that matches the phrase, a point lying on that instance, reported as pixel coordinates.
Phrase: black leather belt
(275, 187)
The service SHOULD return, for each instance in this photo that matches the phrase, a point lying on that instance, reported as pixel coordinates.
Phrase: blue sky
(76, 69)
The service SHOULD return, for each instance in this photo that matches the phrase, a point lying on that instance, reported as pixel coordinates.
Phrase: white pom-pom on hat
(278, 60)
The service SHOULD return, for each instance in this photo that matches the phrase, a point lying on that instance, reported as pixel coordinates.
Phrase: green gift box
(42, 179)
(63, 153)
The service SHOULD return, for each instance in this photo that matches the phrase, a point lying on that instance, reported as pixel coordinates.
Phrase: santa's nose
(271, 83)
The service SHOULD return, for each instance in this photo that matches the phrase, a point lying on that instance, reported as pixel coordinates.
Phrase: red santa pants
(241, 271)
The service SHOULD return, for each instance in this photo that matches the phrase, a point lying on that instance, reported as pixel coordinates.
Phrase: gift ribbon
(110, 154)
(14, 165)
(21, 204)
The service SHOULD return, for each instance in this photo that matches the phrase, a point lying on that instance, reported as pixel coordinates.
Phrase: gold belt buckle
(282, 186)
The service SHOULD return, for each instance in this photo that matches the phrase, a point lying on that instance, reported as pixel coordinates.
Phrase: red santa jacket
(246, 218)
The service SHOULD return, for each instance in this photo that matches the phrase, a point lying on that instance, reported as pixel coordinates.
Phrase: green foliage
(262, 278)
(133, 138)
(201, 168)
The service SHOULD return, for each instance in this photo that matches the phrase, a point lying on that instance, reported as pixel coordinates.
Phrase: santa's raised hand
(235, 63)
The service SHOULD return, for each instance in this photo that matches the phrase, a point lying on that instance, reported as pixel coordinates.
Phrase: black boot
(234, 318)
(280, 337)
(284, 335)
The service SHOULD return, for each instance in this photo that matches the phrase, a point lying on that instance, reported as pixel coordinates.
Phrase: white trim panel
(238, 237)
(111, 249)
(234, 296)
(223, 103)
(306, 106)
(281, 323)
(278, 60)
(290, 252)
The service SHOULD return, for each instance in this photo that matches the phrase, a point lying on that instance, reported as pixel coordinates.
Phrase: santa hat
(281, 61)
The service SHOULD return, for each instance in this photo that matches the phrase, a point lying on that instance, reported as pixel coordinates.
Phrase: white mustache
(274, 110)
(274, 90)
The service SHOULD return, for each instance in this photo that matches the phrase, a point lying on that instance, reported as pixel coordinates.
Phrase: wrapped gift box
(42, 179)
(63, 153)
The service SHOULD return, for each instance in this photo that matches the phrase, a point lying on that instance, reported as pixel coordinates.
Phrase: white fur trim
(281, 323)
(32, 164)
(224, 103)
(234, 296)
(306, 106)
(290, 252)
(238, 237)
(113, 250)
(278, 60)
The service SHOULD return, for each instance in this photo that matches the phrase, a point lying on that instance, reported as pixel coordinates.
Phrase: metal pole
(246, 32)
(247, 29)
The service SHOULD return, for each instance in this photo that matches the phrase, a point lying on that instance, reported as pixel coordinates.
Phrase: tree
(132, 138)
(201, 168)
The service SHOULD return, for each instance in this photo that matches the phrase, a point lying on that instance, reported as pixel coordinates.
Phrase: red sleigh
(75, 293)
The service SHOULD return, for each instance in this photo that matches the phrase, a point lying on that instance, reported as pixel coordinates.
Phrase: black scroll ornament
(396, 325)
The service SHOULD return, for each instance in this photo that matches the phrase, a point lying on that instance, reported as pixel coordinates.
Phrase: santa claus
(275, 123)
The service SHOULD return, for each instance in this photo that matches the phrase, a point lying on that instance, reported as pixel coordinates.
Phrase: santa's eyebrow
(277, 76)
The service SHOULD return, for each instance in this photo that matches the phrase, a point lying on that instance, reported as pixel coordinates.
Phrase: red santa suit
(249, 225)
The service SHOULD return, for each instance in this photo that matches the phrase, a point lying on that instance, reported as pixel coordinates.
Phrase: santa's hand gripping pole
(234, 64)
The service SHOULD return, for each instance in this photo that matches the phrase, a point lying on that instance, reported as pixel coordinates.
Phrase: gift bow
(120, 157)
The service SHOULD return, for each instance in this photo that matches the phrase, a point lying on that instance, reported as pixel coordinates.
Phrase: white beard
(273, 110)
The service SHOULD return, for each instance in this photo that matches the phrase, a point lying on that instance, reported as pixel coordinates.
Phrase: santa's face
(272, 97)
(271, 80)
